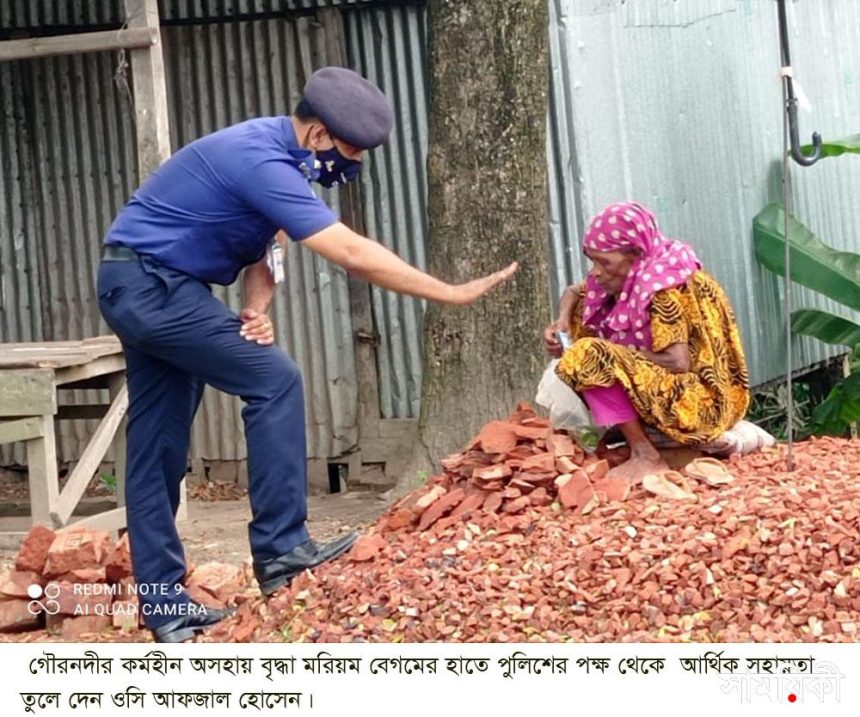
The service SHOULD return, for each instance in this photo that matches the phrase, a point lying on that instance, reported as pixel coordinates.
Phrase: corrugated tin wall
(675, 104)
(678, 104)
(388, 45)
(69, 165)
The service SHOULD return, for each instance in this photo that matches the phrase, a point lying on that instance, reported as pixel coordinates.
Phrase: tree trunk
(487, 207)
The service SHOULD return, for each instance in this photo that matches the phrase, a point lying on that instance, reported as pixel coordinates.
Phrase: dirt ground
(218, 530)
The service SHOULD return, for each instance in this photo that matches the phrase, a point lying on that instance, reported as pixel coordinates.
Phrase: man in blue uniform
(207, 213)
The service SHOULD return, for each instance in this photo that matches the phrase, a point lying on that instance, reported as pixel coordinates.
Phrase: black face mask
(335, 168)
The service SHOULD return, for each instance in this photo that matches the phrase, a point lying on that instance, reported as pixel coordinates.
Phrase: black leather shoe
(277, 572)
(187, 626)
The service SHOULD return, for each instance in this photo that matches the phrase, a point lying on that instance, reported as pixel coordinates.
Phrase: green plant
(835, 274)
(108, 480)
(769, 409)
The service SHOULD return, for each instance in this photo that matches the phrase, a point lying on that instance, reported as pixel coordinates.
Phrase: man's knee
(283, 375)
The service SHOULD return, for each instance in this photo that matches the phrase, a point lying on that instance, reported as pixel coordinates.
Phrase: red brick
(84, 575)
(468, 504)
(525, 413)
(16, 617)
(426, 500)
(576, 491)
(118, 563)
(492, 473)
(540, 463)
(597, 470)
(497, 437)
(440, 507)
(517, 505)
(34, 549)
(14, 583)
(565, 464)
(533, 433)
(367, 547)
(75, 548)
(76, 627)
(560, 444)
(493, 502)
(401, 518)
(540, 497)
(221, 580)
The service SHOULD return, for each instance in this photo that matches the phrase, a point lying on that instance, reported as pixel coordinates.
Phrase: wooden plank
(27, 392)
(152, 126)
(90, 460)
(96, 367)
(42, 472)
(43, 359)
(21, 430)
(74, 44)
(11, 539)
(109, 520)
(94, 342)
(119, 441)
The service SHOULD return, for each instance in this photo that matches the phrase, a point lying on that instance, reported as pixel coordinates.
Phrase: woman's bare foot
(644, 457)
(637, 467)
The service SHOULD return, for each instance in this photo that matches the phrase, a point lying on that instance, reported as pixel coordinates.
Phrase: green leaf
(826, 327)
(840, 408)
(836, 147)
(836, 274)
(850, 410)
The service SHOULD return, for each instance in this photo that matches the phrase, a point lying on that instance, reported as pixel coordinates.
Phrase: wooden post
(152, 125)
(42, 470)
(117, 385)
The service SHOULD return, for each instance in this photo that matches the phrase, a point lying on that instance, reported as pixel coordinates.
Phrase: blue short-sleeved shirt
(214, 206)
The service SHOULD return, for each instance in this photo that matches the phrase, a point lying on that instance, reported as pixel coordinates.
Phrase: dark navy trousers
(177, 337)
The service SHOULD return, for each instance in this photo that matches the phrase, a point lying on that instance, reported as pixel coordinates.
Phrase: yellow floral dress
(691, 408)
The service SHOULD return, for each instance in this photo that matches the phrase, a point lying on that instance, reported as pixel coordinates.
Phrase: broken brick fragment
(440, 507)
(497, 437)
(367, 547)
(34, 549)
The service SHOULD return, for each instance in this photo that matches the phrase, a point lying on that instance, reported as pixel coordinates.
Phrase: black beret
(353, 109)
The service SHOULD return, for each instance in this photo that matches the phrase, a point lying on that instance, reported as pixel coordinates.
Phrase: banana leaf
(826, 327)
(840, 408)
(836, 147)
(836, 274)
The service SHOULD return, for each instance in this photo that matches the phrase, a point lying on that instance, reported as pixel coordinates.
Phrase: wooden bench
(30, 376)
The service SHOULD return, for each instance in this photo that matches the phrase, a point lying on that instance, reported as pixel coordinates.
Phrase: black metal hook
(791, 100)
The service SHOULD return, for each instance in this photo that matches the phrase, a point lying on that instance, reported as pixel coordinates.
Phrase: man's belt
(114, 252)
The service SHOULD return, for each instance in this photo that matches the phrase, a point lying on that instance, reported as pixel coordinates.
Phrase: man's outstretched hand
(256, 327)
(471, 291)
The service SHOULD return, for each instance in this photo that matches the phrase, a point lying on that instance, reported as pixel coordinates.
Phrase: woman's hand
(550, 338)
(566, 306)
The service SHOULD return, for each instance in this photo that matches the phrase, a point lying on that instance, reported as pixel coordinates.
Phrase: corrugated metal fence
(674, 104)
(678, 105)
(69, 165)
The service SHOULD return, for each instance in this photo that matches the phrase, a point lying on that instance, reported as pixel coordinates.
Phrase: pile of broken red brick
(76, 584)
(523, 537)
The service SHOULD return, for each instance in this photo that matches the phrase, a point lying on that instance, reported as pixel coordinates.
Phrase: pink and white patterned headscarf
(663, 263)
